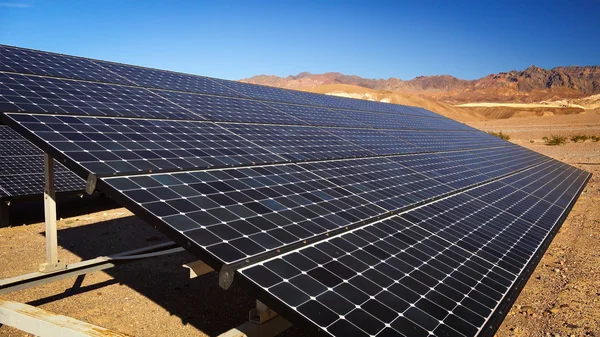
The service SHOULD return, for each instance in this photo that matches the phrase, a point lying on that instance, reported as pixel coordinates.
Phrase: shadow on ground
(31, 210)
(199, 302)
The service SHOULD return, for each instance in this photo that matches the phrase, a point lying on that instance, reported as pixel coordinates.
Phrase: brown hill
(530, 85)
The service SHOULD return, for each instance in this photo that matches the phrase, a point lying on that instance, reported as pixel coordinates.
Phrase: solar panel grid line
(417, 205)
(230, 109)
(409, 211)
(38, 94)
(21, 169)
(503, 307)
(234, 264)
(210, 86)
(547, 171)
(522, 160)
(504, 254)
(97, 119)
(3, 193)
(557, 165)
(320, 114)
(372, 296)
(498, 247)
(583, 175)
(358, 204)
(551, 195)
(118, 78)
(21, 60)
(211, 145)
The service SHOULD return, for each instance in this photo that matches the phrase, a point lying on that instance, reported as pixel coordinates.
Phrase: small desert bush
(579, 138)
(555, 140)
(595, 138)
(500, 135)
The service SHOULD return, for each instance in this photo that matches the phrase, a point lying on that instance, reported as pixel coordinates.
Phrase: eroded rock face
(585, 80)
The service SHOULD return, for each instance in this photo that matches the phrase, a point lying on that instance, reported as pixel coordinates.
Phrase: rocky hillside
(518, 86)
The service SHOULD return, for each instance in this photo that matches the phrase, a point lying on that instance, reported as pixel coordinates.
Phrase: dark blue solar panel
(216, 108)
(22, 169)
(441, 269)
(25, 61)
(61, 96)
(264, 93)
(107, 146)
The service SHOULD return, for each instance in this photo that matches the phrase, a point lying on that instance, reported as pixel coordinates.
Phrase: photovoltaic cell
(344, 103)
(311, 115)
(299, 143)
(161, 79)
(440, 269)
(108, 146)
(216, 108)
(376, 141)
(22, 169)
(61, 96)
(264, 93)
(25, 61)
(238, 213)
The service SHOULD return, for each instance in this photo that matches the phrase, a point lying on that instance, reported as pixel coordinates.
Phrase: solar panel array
(355, 217)
(22, 169)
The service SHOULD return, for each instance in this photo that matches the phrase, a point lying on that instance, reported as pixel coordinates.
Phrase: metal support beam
(85, 267)
(43, 323)
(198, 268)
(52, 263)
(261, 313)
(4, 212)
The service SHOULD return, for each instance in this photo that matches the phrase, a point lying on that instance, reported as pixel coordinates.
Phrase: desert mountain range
(533, 91)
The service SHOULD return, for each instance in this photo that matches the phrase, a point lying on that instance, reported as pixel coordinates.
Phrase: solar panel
(61, 96)
(351, 217)
(25, 61)
(22, 169)
(264, 93)
(108, 146)
(161, 79)
(228, 109)
(441, 269)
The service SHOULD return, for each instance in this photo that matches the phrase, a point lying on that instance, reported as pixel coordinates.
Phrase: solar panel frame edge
(488, 329)
(153, 221)
(45, 147)
(5, 195)
(11, 197)
(279, 307)
(126, 81)
(493, 323)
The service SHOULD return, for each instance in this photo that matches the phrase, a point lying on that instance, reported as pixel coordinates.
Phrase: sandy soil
(156, 297)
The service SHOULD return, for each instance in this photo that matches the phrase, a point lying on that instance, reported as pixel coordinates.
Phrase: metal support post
(52, 263)
(263, 322)
(261, 313)
(198, 268)
(4, 218)
(85, 267)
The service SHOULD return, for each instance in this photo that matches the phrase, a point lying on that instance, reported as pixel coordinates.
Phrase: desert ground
(156, 297)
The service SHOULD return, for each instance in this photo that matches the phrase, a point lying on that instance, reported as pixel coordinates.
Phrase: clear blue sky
(375, 39)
